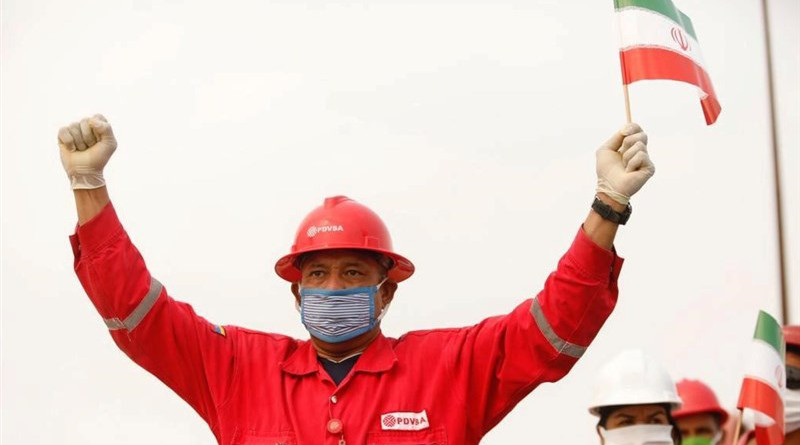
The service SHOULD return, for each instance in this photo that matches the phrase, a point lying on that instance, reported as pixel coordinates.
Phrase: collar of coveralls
(378, 357)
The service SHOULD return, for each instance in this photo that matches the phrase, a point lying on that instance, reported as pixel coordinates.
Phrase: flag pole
(627, 103)
(775, 167)
(738, 428)
(622, 68)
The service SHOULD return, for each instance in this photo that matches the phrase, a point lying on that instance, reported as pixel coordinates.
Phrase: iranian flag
(765, 380)
(659, 42)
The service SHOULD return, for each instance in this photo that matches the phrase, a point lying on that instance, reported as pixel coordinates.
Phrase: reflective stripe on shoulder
(133, 320)
(560, 345)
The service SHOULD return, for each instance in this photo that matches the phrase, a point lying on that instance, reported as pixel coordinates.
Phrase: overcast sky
(470, 127)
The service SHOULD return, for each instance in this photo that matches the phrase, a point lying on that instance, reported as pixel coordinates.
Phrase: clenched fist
(86, 147)
(623, 164)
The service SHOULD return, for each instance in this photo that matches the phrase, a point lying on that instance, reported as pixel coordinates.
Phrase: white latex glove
(86, 147)
(623, 164)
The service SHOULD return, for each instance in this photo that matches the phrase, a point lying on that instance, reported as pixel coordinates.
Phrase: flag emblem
(680, 38)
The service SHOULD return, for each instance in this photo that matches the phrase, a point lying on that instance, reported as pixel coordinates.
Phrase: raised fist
(623, 164)
(86, 147)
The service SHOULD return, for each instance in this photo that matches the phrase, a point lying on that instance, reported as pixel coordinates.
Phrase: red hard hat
(341, 223)
(698, 398)
(791, 334)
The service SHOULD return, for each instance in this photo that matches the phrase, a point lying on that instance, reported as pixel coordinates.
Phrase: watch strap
(609, 214)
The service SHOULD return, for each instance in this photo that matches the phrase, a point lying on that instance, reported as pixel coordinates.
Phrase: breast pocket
(252, 438)
(436, 436)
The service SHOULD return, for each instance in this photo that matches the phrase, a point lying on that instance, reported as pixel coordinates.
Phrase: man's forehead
(697, 419)
(337, 256)
(638, 410)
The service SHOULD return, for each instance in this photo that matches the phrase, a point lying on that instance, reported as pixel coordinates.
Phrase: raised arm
(192, 356)
(504, 358)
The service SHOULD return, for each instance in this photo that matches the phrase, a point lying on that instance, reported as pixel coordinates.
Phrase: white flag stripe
(758, 417)
(644, 28)
(765, 365)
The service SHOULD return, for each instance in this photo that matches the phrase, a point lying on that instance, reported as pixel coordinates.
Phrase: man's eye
(315, 273)
(353, 273)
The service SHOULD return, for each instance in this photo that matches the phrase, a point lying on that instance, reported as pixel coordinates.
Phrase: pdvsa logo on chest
(405, 421)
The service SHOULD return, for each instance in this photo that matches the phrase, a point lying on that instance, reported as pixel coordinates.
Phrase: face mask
(338, 315)
(791, 413)
(702, 440)
(638, 435)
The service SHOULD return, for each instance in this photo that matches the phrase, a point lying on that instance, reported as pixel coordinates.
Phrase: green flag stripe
(769, 331)
(663, 7)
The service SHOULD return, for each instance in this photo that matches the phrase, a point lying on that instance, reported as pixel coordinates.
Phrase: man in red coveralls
(348, 384)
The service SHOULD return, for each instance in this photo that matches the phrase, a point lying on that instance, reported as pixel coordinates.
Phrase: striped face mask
(338, 315)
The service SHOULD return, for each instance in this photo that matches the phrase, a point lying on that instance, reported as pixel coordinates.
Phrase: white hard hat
(633, 378)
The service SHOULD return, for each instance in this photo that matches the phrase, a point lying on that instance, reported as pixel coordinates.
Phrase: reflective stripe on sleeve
(133, 320)
(560, 345)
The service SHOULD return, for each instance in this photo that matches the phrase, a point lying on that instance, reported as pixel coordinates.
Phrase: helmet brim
(286, 266)
(723, 415)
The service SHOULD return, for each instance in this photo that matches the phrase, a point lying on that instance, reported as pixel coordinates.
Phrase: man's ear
(296, 292)
(387, 292)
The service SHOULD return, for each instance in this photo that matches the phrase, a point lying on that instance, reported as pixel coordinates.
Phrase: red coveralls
(257, 388)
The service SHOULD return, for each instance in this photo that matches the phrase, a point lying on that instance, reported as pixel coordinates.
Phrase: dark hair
(606, 411)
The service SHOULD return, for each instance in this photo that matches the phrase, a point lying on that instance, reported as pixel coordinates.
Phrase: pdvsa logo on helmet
(314, 230)
(405, 421)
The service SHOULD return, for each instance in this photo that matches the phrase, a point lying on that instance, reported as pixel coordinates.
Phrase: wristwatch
(610, 214)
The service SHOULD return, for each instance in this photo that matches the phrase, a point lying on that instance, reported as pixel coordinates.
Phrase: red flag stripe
(761, 397)
(772, 435)
(647, 63)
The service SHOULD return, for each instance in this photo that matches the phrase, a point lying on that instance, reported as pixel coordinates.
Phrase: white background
(469, 126)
